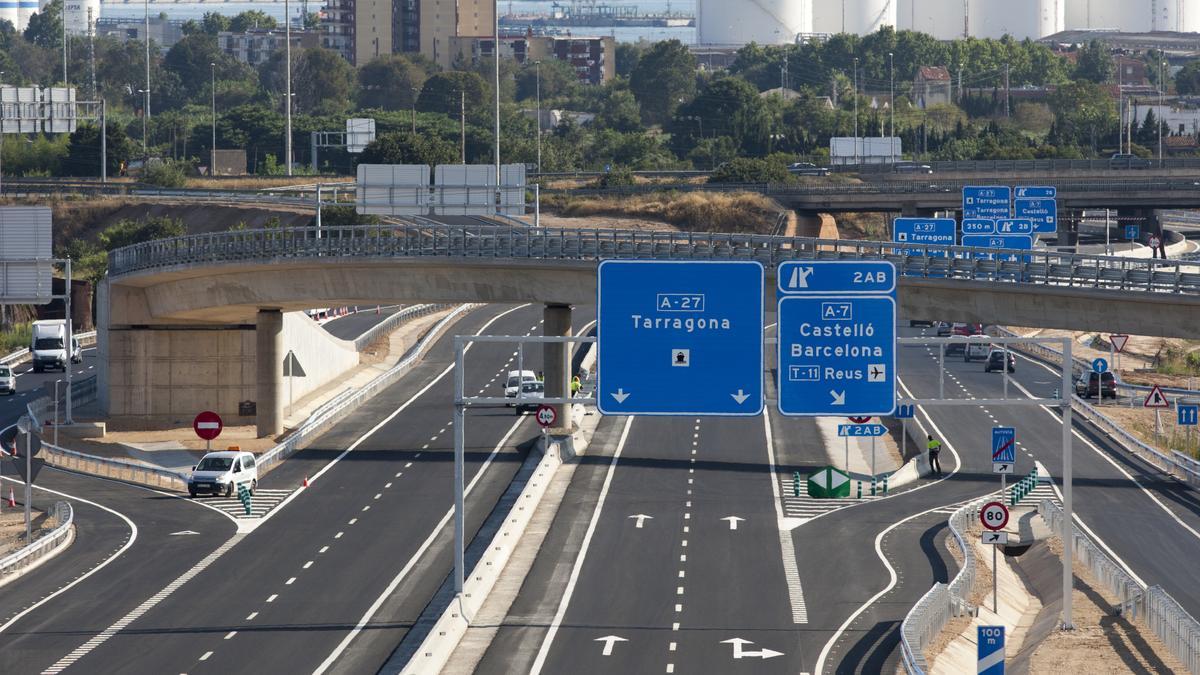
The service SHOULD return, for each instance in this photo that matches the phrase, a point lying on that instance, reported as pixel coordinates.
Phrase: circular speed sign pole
(994, 516)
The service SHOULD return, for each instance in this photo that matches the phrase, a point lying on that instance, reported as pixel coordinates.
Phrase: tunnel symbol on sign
(681, 358)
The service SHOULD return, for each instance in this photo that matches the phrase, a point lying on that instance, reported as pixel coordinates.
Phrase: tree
(45, 27)
(130, 232)
(1187, 80)
(441, 94)
(190, 58)
(251, 18)
(387, 82)
(628, 55)
(405, 148)
(83, 153)
(1083, 114)
(558, 80)
(747, 170)
(727, 106)
(619, 111)
(324, 83)
(665, 74)
(1094, 63)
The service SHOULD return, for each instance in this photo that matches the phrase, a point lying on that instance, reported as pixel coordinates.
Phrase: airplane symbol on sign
(876, 372)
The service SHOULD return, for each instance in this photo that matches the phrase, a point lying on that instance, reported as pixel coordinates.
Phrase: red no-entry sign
(207, 425)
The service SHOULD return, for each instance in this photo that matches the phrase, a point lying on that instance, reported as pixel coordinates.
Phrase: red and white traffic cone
(12, 499)
(305, 482)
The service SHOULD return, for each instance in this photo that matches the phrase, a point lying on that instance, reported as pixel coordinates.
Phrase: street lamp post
(496, 87)
(1162, 83)
(145, 115)
(146, 108)
(537, 65)
(212, 152)
(892, 106)
(287, 24)
(415, 91)
(856, 160)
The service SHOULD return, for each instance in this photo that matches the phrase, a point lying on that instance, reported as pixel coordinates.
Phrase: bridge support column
(268, 333)
(557, 367)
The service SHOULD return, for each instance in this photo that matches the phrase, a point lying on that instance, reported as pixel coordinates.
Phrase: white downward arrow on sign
(839, 397)
(733, 521)
(740, 396)
(641, 518)
(608, 641)
(620, 395)
(739, 650)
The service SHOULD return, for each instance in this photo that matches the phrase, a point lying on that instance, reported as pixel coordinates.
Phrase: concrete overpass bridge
(221, 295)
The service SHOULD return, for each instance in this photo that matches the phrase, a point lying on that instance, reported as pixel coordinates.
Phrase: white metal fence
(930, 614)
(21, 559)
(389, 324)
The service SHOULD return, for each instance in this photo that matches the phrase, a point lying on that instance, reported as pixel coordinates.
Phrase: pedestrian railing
(934, 610)
(1153, 606)
(15, 562)
(389, 241)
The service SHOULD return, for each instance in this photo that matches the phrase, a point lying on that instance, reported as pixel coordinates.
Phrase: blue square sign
(838, 277)
(679, 337)
(931, 231)
(1186, 415)
(990, 650)
(837, 355)
(1043, 213)
(1004, 445)
(986, 201)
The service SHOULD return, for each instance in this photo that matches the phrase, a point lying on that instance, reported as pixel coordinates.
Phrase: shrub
(166, 173)
(747, 170)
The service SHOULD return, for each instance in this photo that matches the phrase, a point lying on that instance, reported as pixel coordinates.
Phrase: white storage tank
(1181, 16)
(943, 19)
(1021, 19)
(77, 17)
(858, 17)
(739, 22)
(1129, 16)
(23, 10)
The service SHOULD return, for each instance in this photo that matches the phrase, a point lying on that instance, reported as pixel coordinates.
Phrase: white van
(220, 473)
(512, 386)
(46, 345)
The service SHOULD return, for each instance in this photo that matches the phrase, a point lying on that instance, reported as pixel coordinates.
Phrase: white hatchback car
(220, 473)
(8, 381)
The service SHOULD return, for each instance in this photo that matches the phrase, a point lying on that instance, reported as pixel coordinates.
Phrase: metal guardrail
(343, 404)
(1039, 268)
(390, 323)
(1025, 165)
(930, 614)
(1153, 606)
(43, 546)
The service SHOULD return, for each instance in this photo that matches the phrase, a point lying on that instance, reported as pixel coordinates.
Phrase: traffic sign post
(861, 430)
(836, 277)
(1014, 226)
(829, 483)
(1186, 416)
(1116, 345)
(1157, 400)
(1099, 365)
(987, 202)
(1020, 242)
(978, 226)
(679, 337)
(1004, 453)
(546, 416)
(926, 232)
(990, 650)
(1041, 212)
(994, 516)
(905, 412)
(208, 425)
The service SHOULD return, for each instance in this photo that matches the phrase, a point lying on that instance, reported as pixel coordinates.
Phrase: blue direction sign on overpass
(1042, 212)
(679, 337)
(932, 231)
(837, 355)
(978, 226)
(861, 430)
(1035, 192)
(824, 277)
(1022, 242)
(1014, 226)
(987, 201)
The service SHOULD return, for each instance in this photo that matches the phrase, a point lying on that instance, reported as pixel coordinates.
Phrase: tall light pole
(212, 152)
(287, 25)
(1162, 83)
(496, 84)
(537, 66)
(892, 106)
(63, 19)
(146, 108)
(855, 110)
(415, 91)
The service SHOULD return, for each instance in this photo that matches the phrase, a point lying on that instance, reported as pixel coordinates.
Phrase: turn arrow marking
(609, 641)
(183, 532)
(620, 395)
(740, 652)
(641, 518)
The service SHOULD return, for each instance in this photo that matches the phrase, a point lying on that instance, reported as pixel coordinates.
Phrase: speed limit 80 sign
(994, 516)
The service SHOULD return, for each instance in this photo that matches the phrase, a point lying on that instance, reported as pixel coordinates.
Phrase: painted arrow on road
(733, 521)
(641, 518)
(609, 641)
(740, 396)
(740, 652)
(183, 532)
(620, 395)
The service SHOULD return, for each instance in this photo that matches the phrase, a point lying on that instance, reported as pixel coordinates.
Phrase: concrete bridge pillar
(557, 367)
(268, 333)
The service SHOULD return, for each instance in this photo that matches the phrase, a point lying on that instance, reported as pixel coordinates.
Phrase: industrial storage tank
(1129, 16)
(81, 16)
(943, 19)
(22, 10)
(1021, 19)
(858, 17)
(1182, 16)
(740, 22)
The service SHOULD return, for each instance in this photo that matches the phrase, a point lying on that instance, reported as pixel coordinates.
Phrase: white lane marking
(251, 615)
(141, 609)
(544, 649)
(323, 549)
(205, 656)
(338, 535)
(412, 562)
(290, 581)
(133, 535)
(791, 571)
(273, 596)
(307, 564)
(230, 634)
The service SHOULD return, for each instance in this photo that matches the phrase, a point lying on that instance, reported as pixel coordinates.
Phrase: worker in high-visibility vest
(935, 448)
(575, 386)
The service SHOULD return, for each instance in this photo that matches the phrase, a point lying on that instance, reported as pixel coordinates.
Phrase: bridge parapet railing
(63, 516)
(1039, 267)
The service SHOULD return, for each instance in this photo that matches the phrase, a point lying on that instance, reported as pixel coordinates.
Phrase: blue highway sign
(1042, 212)
(1132, 232)
(861, 430)
(837, 355)
(1021, 242)
(1186, 415)
(1004, 445)
(987, 201)
(906, 411)
(823, 277)
(990, 641)
(679, 337)
(932, 231)
(1038, 192)
(1014, 226)
(1099, 365)
(978, 226)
